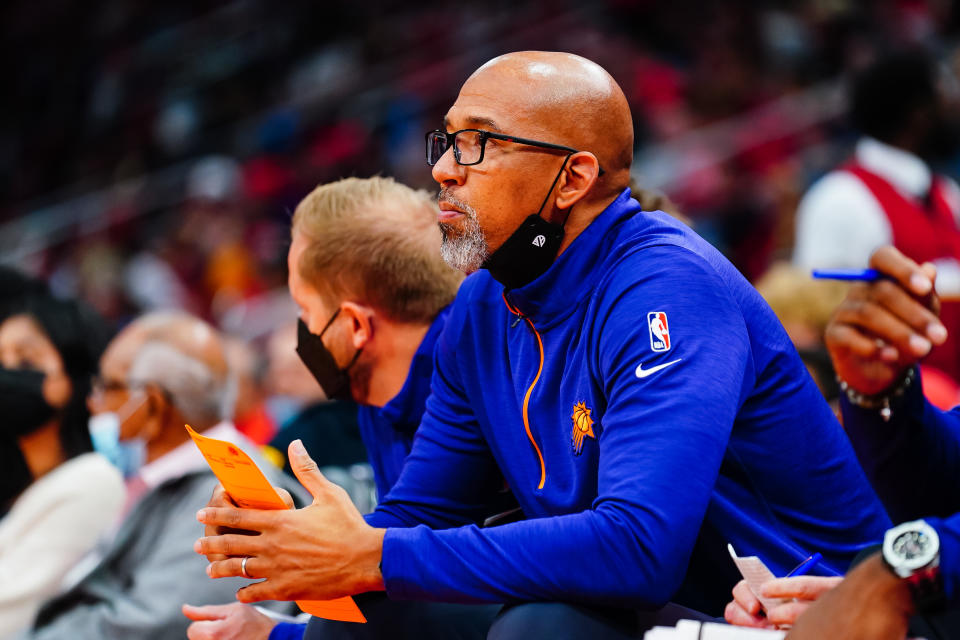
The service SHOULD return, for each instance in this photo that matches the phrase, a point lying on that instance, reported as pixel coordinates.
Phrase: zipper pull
(512, 309)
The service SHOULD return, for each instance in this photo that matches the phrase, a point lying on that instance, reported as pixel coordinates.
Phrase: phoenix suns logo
(582, 426)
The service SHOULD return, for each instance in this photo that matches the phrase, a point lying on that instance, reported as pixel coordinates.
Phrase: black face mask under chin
(530, 250)
(22, 404)
(334, 381)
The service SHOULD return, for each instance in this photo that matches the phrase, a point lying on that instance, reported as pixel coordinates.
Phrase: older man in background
(164, 370)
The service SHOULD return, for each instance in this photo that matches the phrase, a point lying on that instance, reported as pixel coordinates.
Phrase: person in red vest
(904, 106)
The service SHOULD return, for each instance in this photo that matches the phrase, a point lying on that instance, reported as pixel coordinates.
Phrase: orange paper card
(249, 488)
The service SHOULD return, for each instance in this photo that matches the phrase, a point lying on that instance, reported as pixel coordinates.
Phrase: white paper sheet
(692, 630)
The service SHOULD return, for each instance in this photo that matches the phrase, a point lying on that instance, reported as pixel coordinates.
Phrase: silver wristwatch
(912, 551)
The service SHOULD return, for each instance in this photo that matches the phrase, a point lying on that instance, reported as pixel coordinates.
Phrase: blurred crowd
(198, 127)
(164, 174)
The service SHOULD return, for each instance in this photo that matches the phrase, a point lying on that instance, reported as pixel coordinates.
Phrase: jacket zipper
(526, 397)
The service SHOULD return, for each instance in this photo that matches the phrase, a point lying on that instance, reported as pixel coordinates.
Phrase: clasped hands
(322, 551)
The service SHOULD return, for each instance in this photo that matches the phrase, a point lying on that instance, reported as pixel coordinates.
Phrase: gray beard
(464, 250)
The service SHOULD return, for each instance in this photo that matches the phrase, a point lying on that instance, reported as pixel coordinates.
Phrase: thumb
(306, 469)
(930, 270)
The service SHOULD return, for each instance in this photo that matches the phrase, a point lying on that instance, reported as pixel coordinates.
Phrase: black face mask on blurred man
(334, 381)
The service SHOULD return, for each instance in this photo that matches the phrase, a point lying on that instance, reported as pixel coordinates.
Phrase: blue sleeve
(449, 478)
(660, 450)
(288, 631)
(912, 461)
(949, 531)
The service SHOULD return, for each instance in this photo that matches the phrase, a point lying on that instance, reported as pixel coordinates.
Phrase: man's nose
(447, 170)
(95, 402)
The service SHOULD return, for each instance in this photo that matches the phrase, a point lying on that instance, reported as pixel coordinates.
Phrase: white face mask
(126, 455)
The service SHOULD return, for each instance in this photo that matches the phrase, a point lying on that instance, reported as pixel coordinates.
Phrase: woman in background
(57, 497)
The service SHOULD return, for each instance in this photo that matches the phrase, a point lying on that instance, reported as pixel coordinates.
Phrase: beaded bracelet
(879, 401)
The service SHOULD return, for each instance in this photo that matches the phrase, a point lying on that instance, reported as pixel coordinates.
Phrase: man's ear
(578, 178)
(155, 411)
(361, 323)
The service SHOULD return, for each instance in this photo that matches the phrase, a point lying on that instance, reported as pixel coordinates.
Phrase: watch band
(926, 589)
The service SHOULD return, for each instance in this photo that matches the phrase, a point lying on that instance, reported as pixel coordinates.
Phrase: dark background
(151, 153)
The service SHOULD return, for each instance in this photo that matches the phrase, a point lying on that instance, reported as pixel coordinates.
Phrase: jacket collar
(405, 409)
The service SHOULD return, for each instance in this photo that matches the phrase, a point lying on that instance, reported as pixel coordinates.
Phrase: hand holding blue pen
(797, 592)
(885, 324)
(784, 599)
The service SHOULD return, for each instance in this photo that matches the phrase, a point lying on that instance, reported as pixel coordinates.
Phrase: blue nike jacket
(913, 460)
(646, 407)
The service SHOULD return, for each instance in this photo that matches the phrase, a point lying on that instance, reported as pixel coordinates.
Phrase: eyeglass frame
(484, 136)
(100, 386)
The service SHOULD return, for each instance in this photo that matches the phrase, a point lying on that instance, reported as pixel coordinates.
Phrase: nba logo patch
(659, 331)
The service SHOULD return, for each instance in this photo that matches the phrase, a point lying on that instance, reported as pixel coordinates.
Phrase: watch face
(912, 544)
(910, 547)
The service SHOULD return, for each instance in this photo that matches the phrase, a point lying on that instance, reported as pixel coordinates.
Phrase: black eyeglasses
(468, 145)
(100, 386)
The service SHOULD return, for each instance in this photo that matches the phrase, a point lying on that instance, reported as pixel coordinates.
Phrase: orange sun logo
(582, 426)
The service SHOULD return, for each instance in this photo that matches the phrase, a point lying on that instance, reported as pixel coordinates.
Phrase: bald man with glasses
(610, 367)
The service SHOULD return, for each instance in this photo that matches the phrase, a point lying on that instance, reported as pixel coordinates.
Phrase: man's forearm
(589, 557)
(920, 442)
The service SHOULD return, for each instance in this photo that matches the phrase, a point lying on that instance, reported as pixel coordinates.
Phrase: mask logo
(539, 241)
(659, 331)
(582, 426)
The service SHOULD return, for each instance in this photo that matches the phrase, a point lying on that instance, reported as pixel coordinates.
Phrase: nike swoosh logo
(643, 373)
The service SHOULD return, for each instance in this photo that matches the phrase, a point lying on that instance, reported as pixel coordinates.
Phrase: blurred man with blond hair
(366, 272)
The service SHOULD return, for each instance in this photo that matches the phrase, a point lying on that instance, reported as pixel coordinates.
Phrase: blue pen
(804, 567)
(867, 275)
